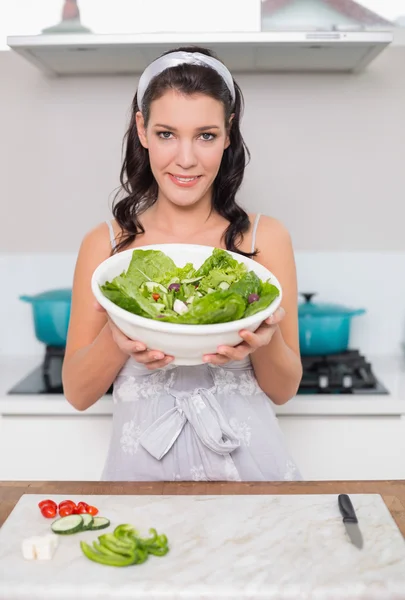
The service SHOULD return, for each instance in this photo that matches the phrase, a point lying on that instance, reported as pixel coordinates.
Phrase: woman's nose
(185, 155)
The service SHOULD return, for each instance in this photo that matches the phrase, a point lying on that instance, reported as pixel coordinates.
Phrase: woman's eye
(164, 135)
(209, 138)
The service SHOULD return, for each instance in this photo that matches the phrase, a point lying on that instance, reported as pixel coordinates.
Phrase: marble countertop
(390, 370)
(281, 542)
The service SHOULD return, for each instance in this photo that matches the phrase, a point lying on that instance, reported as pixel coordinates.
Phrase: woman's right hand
(152, 359)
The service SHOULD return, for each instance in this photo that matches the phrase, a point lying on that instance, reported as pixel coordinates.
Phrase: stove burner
(346, 372)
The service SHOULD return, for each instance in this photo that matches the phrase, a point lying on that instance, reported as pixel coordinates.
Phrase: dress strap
(255, 231)
(112, 235)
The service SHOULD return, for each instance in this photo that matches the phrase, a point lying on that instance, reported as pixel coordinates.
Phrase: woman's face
(186, 138)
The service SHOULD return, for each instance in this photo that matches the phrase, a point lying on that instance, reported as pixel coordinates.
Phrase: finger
(215, 359)
(159, 364)
(255, 340)
(124, 342)
(276, 317)
(238, 353)
(150, 356)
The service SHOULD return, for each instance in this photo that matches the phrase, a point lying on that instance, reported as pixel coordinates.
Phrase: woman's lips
(185, 181)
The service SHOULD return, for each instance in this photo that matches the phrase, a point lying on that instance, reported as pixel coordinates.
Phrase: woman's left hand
(252, 341)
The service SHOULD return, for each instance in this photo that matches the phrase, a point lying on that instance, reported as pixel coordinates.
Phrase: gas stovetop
(346, 373)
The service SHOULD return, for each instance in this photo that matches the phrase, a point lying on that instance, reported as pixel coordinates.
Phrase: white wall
(327, 154)
(327, 158)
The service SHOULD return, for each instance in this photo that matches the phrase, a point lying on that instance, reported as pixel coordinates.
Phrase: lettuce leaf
(223, 261)
(149, 265)
(269, 292)
(218, 307)
(248, 284)
(177, 275)
(126, 294)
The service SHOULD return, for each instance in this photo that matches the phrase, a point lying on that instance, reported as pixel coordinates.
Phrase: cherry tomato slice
(156, 296)
(92, 510)
(66, 503)
(65, 511)
(82, 508)
(47, 503)
(48, 511)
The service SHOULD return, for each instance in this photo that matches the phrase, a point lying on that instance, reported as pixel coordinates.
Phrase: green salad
(221, 290)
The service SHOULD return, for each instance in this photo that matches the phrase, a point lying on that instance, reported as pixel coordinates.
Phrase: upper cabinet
(123, 36)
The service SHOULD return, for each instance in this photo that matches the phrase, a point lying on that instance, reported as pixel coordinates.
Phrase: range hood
(270, 51)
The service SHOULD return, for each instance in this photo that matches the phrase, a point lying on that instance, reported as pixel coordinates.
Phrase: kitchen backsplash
(369, 280)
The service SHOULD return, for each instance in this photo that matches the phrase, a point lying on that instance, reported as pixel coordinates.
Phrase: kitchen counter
(389, 369)
(393, 492)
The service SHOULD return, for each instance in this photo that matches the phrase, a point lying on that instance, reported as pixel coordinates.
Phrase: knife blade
(350, 520)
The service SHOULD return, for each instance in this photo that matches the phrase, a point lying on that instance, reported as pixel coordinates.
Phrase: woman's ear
(140, 126)
(228, 139)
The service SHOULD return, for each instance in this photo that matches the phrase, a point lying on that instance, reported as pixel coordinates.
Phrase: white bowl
(187, 343)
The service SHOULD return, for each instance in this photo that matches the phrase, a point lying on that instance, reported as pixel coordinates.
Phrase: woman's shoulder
(101, 235)
(273, 242)
(97, 242)
(269, 229)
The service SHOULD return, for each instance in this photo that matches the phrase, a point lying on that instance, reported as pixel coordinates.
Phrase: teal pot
(324, 328)
(51, 313)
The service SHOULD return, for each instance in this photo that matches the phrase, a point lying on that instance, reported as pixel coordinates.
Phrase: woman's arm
(92, 358)
(277, 366)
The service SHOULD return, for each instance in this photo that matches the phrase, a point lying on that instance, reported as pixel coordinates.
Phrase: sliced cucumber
(99, 523)
(87, 521)
(68, 525)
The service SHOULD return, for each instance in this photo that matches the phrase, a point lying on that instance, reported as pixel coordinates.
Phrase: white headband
(179, 58)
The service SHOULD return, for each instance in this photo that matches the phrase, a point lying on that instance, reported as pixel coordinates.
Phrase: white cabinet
(53, 447)
(74, 448)
(337, 447)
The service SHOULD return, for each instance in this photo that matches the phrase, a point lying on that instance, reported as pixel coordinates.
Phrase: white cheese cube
(180, 307)
(39, 547)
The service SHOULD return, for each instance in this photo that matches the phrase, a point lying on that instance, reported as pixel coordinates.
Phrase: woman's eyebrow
(197, 129)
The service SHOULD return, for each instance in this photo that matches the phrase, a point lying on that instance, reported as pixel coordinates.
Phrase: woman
(184, 163)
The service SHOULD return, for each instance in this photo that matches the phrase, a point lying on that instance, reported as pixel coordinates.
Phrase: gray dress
(199, 423)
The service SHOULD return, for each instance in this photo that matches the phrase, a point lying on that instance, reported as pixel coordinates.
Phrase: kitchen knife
(350, 520)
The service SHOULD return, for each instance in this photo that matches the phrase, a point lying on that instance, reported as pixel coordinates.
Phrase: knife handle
(346, 509)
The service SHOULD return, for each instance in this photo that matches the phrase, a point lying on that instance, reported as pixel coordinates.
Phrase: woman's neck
(167, 217)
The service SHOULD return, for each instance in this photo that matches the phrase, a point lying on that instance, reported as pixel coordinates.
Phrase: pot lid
(58, 295)
(321, 309)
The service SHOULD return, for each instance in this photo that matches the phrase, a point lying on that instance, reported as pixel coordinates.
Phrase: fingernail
(158, 356)
(139, 347)
(206, 359)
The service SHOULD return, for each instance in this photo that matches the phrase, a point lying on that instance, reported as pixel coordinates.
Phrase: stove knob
(347, 381)
(323, 381)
